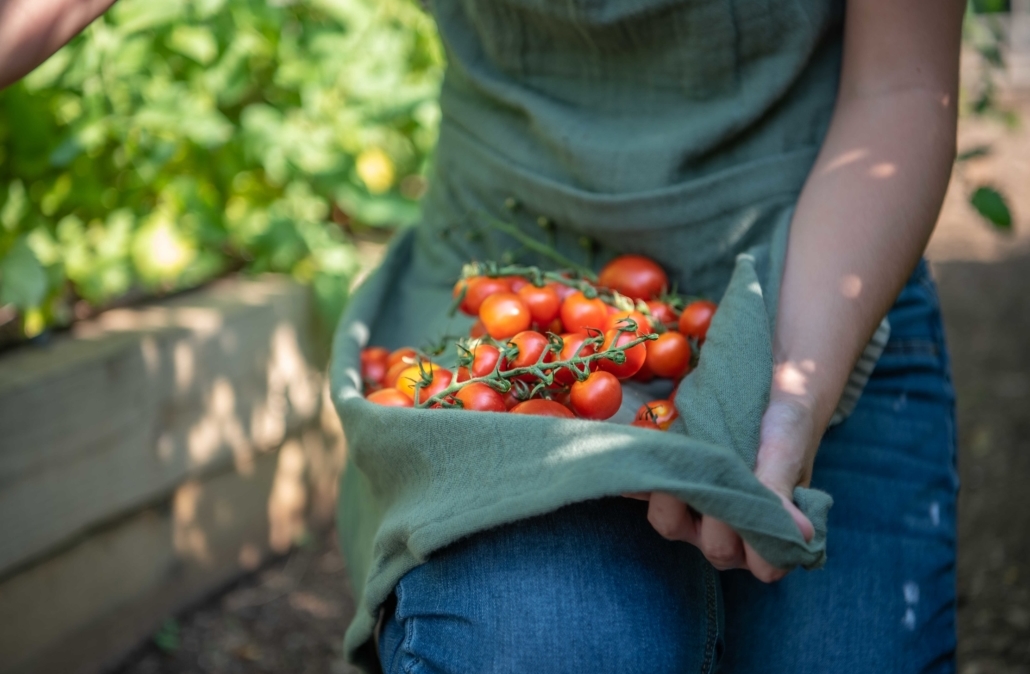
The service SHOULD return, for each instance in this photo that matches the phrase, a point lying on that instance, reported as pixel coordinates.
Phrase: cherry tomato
(517, 283)
(556, 327)
(531, 345)
(484, 359)
(543, 408)
(390, 397)
(644, 374)
(661, 313)
(544, 304)
(479, 397)
(661, 412)
(440, 378)
(477, 330)
(561, 290)
(572, 346)
(504, 315)
(479, 288)
(373, 364)
(596, 397)
(511, 398)
(579, 313)
(634, 276)
(635, 355)
(669, 355)
(645, 423)
(616, 321)
(696, 318)
(394, 372)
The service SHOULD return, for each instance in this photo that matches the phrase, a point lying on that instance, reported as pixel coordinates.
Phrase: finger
(804, 524)
(720, 544)
(761, 569)
(638, 495)
(670, 518)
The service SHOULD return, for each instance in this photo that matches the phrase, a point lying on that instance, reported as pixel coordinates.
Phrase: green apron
(679, 129)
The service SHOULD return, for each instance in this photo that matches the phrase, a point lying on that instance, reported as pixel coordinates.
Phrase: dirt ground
(290, 616)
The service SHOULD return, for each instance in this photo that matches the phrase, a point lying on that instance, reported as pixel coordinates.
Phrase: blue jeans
(592, 588)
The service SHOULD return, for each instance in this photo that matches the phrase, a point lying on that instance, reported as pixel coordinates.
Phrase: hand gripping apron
(679, 129)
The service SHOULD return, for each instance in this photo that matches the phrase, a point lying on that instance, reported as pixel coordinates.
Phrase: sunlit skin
(861, 223)
(32, 30)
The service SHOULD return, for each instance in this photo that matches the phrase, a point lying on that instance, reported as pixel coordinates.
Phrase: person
(686, 130)
(32, 30)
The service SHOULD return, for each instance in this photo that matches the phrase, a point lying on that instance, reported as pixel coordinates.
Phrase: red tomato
(634, 276)
(669, 355)
(596, 397)
(644, 374)
(543, 408)
(661, 412)
(616, 321)
(544, 304)
(556, 327)
(579, 313)
(479, 288)
(661, 313)
(696, 318)
(404, 354)
(531, 345)
(440, 378)
(511, 398)
(572, 346)
(484, 358)
(480, 398)
(390, 397)
(517, 283)
(373, 364)
(504, 315)
(635, 355)
(563, 291)
(645, 423)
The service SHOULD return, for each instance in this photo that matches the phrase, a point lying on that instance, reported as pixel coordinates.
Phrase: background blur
(187, 193)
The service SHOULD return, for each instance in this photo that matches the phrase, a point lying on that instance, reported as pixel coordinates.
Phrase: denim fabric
(592, 588)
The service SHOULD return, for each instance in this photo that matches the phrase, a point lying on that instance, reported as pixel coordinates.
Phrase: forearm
(32, 30)
(863, 220)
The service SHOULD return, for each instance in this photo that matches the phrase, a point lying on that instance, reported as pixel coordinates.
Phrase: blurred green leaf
(974, 153)
(991, 205)
(23, 281)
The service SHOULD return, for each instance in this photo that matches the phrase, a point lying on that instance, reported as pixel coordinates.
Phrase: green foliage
(989, 203)
(176, 140)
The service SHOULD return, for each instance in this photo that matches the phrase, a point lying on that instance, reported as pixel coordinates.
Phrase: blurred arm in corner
(32, 30)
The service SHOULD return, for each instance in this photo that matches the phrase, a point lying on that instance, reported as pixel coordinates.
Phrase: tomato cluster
(553, 343)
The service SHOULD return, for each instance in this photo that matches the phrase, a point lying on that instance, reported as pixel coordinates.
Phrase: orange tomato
(478, 289)
(504, 315)
(634, 276)
(669, 355)
(696, 318)
(438, 379)
(661, 412)
(390, 397)
(579, 313)
(544, 304)
(543, 408)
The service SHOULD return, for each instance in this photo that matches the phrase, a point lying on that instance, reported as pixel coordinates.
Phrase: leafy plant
(174, 141)
(984, 35)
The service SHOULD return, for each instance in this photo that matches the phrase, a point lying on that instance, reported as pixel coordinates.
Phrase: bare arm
(32, 30)
(861, 223)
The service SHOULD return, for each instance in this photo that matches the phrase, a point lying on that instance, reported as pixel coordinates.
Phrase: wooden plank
(84, 608)
(119, 413)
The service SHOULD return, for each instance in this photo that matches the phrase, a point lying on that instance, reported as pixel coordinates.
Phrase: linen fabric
(592, 587)
(676, 129)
